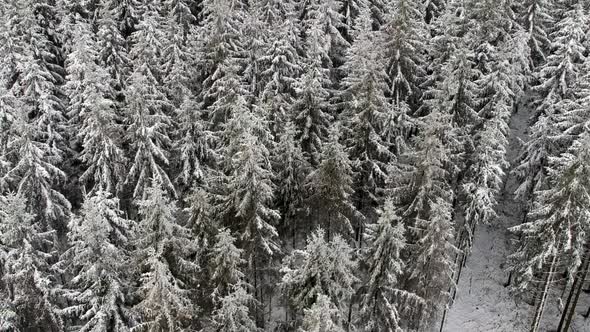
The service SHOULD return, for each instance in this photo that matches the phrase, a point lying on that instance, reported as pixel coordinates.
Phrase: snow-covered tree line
(318, 165)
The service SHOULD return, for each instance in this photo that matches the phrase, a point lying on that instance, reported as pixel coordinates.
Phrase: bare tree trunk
(572, 301)
(541, 306)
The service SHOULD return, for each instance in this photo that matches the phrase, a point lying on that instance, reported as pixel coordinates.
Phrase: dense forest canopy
(284, 165)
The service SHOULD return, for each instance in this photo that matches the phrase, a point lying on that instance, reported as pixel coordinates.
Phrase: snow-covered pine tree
(484, 177)
(194, 141)
(220, 58)
(9, 105)
(310, 110)
(537, 20)
(163, 251)
(557, 223)
(25, 268)
(557, 79)
(281, 65)
(247, 194)
(351, 11)
(322, 26)
(432, 266)
(423, 193)
(35, 176)
(322, 316)
(92, 108)
(39, 141)
(365, 113)
(323, 268)
(201, 221)
(226, 263)
(234, 313)
(111, 43)
(433, 9)
(146, 108)
(330, 187)
(98, 259)
(453, 89)
(404, 41)
(290, 169)
(381, 295)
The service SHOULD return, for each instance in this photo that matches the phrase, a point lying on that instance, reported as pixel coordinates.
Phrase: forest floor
(483, 303)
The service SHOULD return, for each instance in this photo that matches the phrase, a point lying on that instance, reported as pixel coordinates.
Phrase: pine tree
(247, 195)
(226, 265)
(92, 108)
(558, 79)
(221, 58)
(290, 168)
(557, 223)
(433, 267)
(281, 66)
(164, 248)
(381, 294)
(365, 112)
(25, 269)
(98, 258)
(322, 316)
(537, 21)
(146, 107)
(404, 35)
(331, 188)
(111, 42)
(322, 24)
(323, 268)
(35, 176)
(234, 313)
(310, 110)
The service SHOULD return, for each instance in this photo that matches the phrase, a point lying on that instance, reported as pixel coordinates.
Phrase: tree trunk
(572, 301)
(541, 305)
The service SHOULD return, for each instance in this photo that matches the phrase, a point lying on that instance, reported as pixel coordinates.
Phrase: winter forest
(294, 165)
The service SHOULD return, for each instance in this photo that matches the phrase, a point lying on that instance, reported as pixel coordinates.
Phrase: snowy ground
(482, 302)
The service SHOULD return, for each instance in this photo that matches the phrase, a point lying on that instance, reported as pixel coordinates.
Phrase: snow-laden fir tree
(381, 295)
(98, 259)
(35, 176)
(558, 223)
(455, 92)
(199, 212)
(9, 105)
(194, 141)
(423, 193)
(111, 43)
(291, 169)
(322, 268)
(558, 75)
(234, 313)
(322, 316)
(25, 268)
(330, 187)
(147, 133)
(558, 79)
(92, 110)
(220, 58)
(432, 266)
(310, 110)
(226, 265)
(366, 112)
(322, 26)
(247, 193)
(404, 42)
(164, 250)
(146, 109)
(281, 65)
(537, 20)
